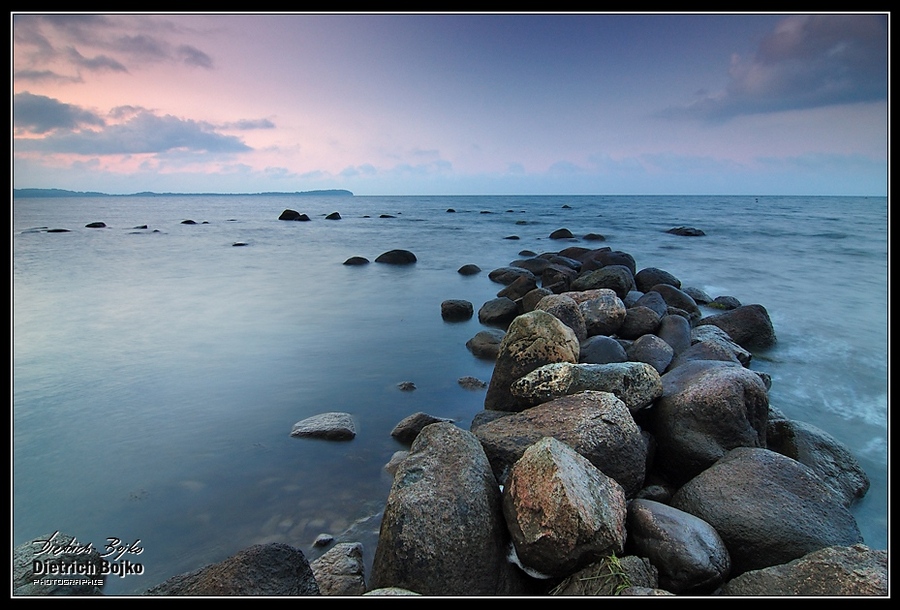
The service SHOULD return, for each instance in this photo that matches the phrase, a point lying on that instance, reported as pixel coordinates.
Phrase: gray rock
(637, 384)
(442, 532)
(854, 570)
(533, 297)
(725, 302)
(562, 512)
(471, 383)
(507, 275)
(824, 454)
(651, 350)
(676, 331)
(518, 288)
(603, 311)
(614, 277)
(486, 343)
(469, 269)
(699, 296)
(264, 569)
(409, 427)
(704, 350)
(714, 334)
(341, 570)
(595, 424)
(749, 326)
(768, 508)
(498, 312)
(331, 426)
(396, 257)
(533, 340)
(706, 409)
(601, 349)
(651, 299)
(561, 234)
(639, 321)
(647, 278)
(356, 261)
(689, 554)
(456, 310)
(679, 299)
(567, 310)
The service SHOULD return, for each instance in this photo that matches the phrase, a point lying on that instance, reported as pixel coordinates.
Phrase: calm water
(157, 372)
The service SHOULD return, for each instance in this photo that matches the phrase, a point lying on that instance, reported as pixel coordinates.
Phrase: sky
(452, 104)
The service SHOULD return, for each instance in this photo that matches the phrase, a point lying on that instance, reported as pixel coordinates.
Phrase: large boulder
(617, 278)
(768, 508)
(595, 424)
(676, 331)
(647, 278)
(562, 512)
(639, 321)
(601, 349)
(442, 532)
(533, 340)
(854, 570)
(706, 409)
(635, 383)
(687, 551)
(824, 454)
(273, 569)
(749, 326)
(651, 350)
(709, 333)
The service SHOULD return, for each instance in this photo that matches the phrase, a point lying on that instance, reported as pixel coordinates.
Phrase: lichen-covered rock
(533, 340)
(637, 384)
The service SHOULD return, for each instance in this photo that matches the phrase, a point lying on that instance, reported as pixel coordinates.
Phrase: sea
(159, 367)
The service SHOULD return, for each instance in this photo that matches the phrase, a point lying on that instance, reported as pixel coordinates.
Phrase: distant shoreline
(22, 193)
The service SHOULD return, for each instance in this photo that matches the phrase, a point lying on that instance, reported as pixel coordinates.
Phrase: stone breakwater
(626, 447)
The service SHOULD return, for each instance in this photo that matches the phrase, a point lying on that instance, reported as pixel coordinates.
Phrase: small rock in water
(471, 383)
(333, 216)
(323, 540)
(406, 386)
(330, 426)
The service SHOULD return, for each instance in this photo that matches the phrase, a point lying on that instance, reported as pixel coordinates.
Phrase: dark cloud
(248, 124)
(42, 76)
(193, 56)
(809, 61)
(100, 63)
(70, 129)
(41, 114)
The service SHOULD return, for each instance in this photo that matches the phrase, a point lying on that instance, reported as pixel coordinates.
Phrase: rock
(699, 296)
(95, 225)
(678, 299)
(469, 269)
(611, 576)
(639, 321)
(356, 260)
(518, 288)
(651, 350)
(442, 532)
(635, 383)
(617, 278)
(331, 426)
(647, 278)
(706, 409)
(188, 222)
(333, 216)
(341, 570)
(561, 234)
(239, 243)
(533, 340)
(595, 424)
(600, 349)
(824, 454)
(603, 311)
(725, 302)
(393, 591)
(562, 512)
(406, 386)
(653, 300)
(455, 310)
(293, 215)
(56, 550)
(394, 462)
(768, 508)
(709, 333)
(507, 275)
(532, 298)
(323, 540)
(486, 343)
(854, 570)
(409, 427)
(567, 310)
(498, 312)
(594, 237)
(704, 350)
(687, 551)
(686, 231)
(676, 331)
(396, 257)
(265, 569)
(471, 383)
(536, 265)
(749, 326)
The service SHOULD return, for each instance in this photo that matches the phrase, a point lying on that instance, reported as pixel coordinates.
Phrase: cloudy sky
(406, 104)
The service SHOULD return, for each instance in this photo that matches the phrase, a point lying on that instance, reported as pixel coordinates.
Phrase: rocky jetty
(626, 447)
